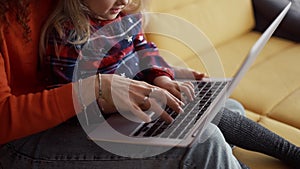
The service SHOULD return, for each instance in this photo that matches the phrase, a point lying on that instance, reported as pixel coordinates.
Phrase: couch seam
(281, 100)
(271, 55)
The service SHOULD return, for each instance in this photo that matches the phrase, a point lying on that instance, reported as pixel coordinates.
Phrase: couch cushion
(287, 111)
(257, 160)
(233, 52)
(220, 20)
(273, 81)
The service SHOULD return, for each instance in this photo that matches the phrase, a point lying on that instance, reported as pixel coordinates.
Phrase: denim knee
(235, 106)
(210, 152)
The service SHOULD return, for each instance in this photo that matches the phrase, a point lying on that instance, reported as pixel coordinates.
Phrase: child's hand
(187, 73)
(182, 90)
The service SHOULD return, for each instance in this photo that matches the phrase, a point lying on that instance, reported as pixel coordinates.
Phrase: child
(65, 40)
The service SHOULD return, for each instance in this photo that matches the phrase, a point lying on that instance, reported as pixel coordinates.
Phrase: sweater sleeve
(152, 64)
(33, 112)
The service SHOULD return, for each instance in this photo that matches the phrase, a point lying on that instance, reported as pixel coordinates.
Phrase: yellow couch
(270, 91)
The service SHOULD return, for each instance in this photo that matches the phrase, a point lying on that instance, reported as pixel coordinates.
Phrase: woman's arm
(30, 113)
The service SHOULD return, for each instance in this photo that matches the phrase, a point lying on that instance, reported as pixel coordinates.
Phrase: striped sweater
(118, 46)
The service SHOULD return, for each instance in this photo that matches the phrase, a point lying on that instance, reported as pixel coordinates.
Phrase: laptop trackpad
(117, 121)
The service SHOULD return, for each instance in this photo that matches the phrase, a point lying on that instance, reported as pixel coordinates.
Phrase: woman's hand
(127, 95)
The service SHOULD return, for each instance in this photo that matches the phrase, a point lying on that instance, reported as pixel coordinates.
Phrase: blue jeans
(235, 106)
(67, 147)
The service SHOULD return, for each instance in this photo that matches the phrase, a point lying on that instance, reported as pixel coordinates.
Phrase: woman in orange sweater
(36, 125)
(35, 116)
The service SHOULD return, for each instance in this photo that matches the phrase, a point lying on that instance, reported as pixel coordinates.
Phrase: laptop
(210, 97)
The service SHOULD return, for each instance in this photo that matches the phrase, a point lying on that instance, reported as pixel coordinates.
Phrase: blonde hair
(77, 13)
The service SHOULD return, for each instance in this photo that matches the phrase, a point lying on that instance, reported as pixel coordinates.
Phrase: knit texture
(245, 133)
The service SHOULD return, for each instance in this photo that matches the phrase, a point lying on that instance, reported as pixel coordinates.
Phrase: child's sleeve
(151, 63)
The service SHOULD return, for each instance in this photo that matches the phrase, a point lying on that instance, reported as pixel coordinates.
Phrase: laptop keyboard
(205, 93)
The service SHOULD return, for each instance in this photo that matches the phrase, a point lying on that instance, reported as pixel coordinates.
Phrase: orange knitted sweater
(26, 107)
